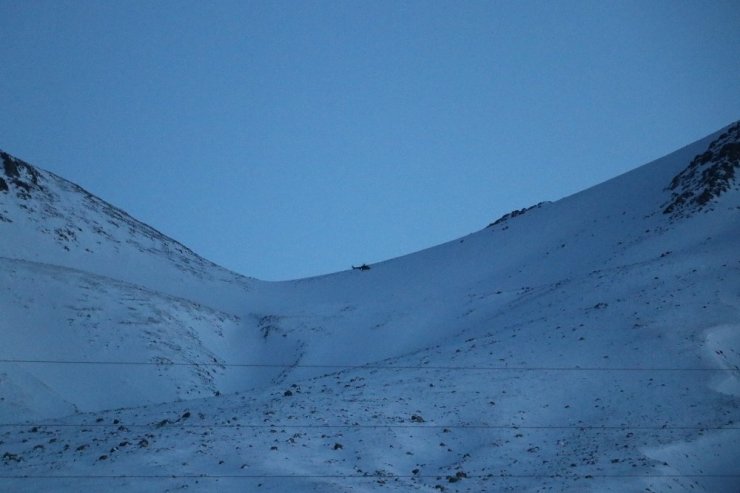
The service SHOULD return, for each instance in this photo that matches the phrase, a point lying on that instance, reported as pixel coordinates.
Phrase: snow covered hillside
(46, 219)
(590, 344)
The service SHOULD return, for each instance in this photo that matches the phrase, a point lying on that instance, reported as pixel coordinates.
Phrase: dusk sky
(290, 139)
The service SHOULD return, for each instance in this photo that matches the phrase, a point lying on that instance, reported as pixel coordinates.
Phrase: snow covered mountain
(47, 219)
(590, 344)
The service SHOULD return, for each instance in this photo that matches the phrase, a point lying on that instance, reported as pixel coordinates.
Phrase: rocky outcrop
(708, 176)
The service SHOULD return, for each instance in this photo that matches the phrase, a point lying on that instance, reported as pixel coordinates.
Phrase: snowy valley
(588, 344)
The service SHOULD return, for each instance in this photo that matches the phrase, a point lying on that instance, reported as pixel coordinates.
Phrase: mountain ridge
(79, 230)
(589, 344)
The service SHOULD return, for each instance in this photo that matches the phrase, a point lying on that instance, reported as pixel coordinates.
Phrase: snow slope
(47, 219)
(590, 344)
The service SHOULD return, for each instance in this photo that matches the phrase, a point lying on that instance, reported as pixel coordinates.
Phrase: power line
(367, 476)
(364, 367)
(173, 424)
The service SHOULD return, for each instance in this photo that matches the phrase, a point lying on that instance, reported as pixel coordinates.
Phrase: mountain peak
(19, 174)
(48, 219)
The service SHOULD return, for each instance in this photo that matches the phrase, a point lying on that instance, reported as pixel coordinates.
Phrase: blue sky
(288, 139)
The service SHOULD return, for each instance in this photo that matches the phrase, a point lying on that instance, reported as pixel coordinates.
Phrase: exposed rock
(708, 176)
(516, 213)
(21, 175)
